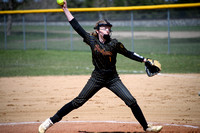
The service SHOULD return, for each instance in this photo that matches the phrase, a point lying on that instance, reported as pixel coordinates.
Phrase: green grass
(65, 28)
(177, 28)
(58, 62)
(190, 46)
(58, 38)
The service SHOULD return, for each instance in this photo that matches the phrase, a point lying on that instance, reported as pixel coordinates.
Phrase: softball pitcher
(104, 53)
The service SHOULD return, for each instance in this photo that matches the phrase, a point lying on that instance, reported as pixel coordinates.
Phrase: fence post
(132, 31)
(71, 38)
(5, 33)
(45, 30)
(168, 18)
(100, 15)
(24, 31)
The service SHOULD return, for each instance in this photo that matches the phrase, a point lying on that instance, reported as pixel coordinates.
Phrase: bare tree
(10, 5)
(9, 22)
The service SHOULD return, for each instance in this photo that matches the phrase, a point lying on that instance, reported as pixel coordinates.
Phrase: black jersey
(104, 55)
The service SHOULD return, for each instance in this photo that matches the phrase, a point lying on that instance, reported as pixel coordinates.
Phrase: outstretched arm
(67, 12)
(74, 23)
(132, 55)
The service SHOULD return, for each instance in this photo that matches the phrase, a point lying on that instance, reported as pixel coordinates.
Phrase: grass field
(71, 57)
(59, 38)
(55, 62)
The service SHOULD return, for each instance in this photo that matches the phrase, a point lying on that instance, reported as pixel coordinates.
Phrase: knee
(77, 102)
(132, 102)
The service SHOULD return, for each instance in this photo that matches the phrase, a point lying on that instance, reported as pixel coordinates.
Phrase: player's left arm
(132, 55)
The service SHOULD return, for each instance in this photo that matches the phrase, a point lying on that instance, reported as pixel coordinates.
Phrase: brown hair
(94, 33)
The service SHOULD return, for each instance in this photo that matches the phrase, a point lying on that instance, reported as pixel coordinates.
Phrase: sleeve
(132, 55)
(77, 27)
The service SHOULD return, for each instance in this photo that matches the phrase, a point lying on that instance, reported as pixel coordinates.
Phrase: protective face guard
(101, 24)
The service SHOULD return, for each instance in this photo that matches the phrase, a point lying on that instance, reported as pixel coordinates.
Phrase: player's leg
(121, 91)
(87, 92)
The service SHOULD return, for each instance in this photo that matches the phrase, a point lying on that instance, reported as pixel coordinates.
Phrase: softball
(60, 2)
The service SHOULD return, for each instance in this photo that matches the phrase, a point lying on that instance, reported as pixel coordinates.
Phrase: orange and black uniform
(104, 74)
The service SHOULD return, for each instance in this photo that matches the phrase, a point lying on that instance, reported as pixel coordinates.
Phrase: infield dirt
(165, 98)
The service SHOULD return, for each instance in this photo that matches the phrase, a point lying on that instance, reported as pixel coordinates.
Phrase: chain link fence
(162, 31)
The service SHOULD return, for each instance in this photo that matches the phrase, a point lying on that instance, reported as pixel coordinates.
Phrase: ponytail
(94, 33)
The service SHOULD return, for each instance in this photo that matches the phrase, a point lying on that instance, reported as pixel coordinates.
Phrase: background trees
(49, 4)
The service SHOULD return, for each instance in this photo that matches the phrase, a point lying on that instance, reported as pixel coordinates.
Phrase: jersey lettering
(97, 48)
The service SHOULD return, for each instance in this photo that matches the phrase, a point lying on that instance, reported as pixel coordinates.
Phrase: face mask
(107, 37)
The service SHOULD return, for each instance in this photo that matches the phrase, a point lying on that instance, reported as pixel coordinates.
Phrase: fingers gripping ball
(152, 67)
(60, 2)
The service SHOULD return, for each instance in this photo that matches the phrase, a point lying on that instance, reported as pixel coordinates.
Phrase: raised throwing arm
(67, 12)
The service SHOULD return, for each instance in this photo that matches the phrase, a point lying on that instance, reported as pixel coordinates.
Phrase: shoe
(45, 125)
(155, 129)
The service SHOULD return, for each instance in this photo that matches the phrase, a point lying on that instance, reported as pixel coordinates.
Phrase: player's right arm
(74, 23)
(67, 12)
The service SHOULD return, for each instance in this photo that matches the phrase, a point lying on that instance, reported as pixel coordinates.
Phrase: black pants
(93, 85)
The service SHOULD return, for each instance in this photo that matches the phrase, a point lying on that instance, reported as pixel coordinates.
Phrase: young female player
(104, 53)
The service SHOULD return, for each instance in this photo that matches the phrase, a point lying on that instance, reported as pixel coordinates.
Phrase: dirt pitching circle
(170, 100)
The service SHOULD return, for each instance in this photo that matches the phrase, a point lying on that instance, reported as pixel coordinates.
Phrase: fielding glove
(152, 67)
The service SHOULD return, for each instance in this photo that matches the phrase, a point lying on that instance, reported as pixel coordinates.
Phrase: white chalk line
(113, 122)
(178, 75)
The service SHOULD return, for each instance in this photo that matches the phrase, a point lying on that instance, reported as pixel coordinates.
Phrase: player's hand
(65, 4)
(144, 60)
